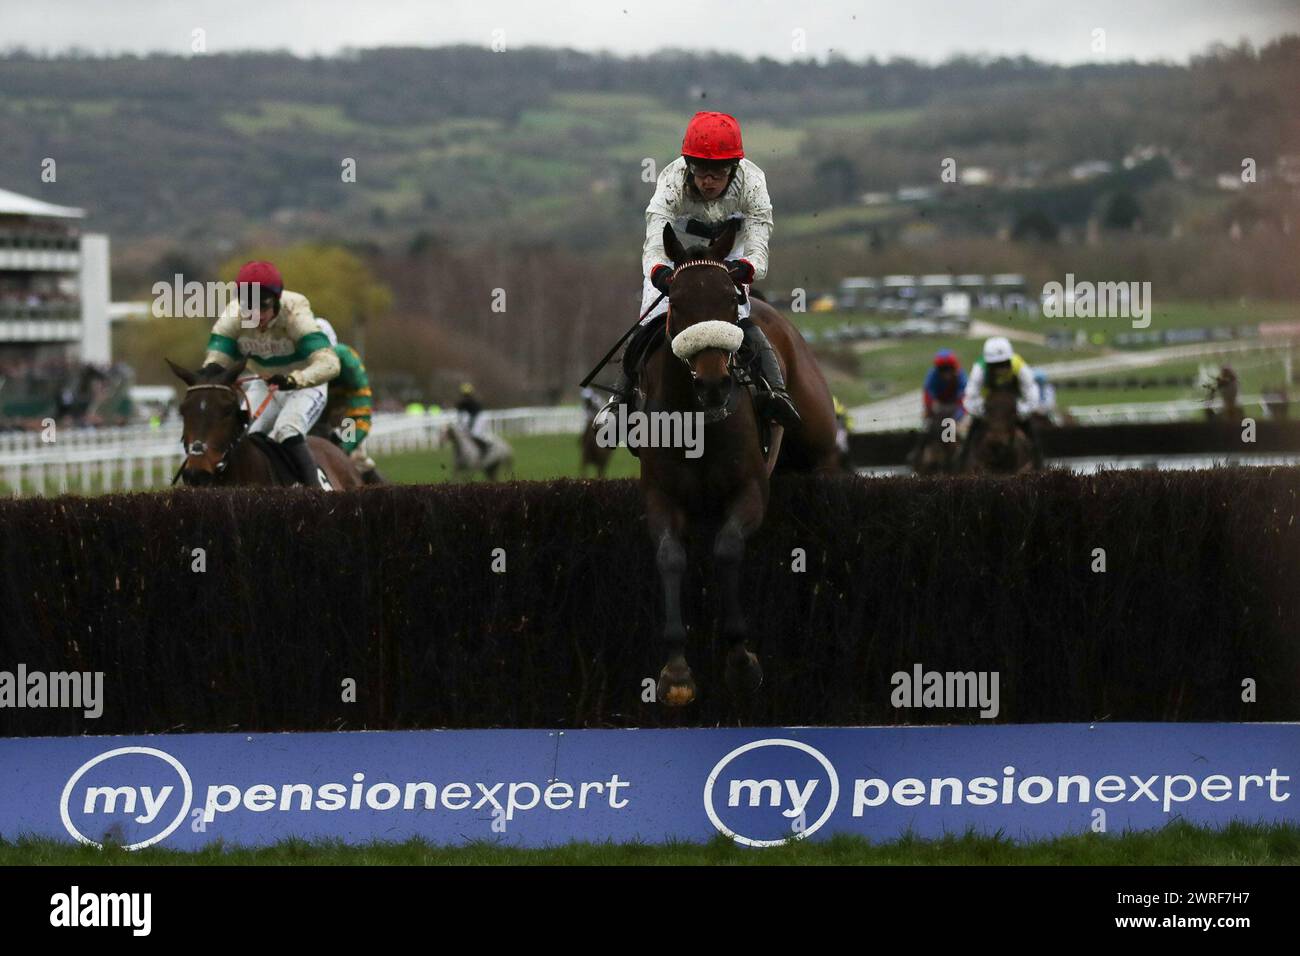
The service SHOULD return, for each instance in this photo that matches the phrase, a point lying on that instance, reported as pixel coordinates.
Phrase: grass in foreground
(1178, 844)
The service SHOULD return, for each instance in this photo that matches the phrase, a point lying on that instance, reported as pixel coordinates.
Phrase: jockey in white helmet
(1000, 368)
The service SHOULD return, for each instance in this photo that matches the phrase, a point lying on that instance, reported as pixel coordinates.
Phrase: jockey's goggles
(711, 170)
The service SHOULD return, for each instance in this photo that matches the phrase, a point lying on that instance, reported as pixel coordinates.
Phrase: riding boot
(777, 404)
(622, 396)
(304, 465)
(372, 477)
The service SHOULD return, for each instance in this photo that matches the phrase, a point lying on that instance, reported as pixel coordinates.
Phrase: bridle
(668, 319)
(245, 416)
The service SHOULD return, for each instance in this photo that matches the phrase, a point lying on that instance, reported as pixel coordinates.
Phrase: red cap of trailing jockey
(945, 357)
(263, 273)
(713, 136)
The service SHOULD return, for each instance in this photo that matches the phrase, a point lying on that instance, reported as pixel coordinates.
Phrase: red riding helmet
(713, 136)
(263, 273)
(945, 357)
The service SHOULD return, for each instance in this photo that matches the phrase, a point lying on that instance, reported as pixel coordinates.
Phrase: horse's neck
(670, 378)
(243, 461)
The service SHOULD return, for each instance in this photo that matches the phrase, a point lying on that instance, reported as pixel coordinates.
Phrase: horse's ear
(232, 373)
(672, 245)
(184, 374)
(722, 245)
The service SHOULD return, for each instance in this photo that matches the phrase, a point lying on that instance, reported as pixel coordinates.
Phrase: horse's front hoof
(744, 673)
(676, 685)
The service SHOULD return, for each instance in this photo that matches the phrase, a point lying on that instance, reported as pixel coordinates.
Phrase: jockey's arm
(974, 388)
(223, 343)
(663, 209)
(309, 339)
(1028, 387)
(756, 207)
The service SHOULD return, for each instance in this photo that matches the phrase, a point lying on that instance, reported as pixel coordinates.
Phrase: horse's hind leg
(676, 685)
(743, 674)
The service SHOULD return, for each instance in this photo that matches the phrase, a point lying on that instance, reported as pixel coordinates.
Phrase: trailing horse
(594, 454)
(468, 456)
(725, 488)
(220, 451)
(936, 455)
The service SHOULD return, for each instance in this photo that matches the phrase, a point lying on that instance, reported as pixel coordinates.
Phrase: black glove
(742, 271)
(660, 277)
(283, 382)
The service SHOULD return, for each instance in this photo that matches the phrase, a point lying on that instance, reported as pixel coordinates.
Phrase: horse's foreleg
(676, 685)
(744, 675)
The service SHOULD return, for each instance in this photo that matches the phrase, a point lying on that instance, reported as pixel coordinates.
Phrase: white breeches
(287, 413)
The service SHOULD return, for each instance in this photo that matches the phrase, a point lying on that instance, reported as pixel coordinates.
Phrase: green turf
(1257, 372)
(1176, 844)
(537, 457)
(887, 367)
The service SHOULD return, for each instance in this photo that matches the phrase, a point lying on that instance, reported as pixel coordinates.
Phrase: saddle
(279, 458)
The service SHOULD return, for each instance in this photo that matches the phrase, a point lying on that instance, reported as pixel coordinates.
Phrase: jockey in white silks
(698, 193)
(285, 347)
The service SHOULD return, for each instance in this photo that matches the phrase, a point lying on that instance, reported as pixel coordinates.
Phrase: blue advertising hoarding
(759, 786)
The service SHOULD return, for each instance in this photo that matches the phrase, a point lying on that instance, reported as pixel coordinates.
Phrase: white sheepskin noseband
(714, 334)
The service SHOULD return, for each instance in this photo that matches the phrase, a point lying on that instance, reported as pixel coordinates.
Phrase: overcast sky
(930, 30)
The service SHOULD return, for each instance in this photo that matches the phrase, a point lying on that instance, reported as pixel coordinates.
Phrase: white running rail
(139, 457)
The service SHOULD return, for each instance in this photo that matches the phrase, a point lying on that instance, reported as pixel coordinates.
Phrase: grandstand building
(54, 283)
(54, 302)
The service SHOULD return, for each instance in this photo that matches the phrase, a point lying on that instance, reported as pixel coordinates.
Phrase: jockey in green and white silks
(286, 347)
(1001, 369)
(698, 193)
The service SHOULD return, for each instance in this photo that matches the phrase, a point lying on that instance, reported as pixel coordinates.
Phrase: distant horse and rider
(225, 445)
(1002, 408)
(592, 453)
(474, 447)
(490, 454)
